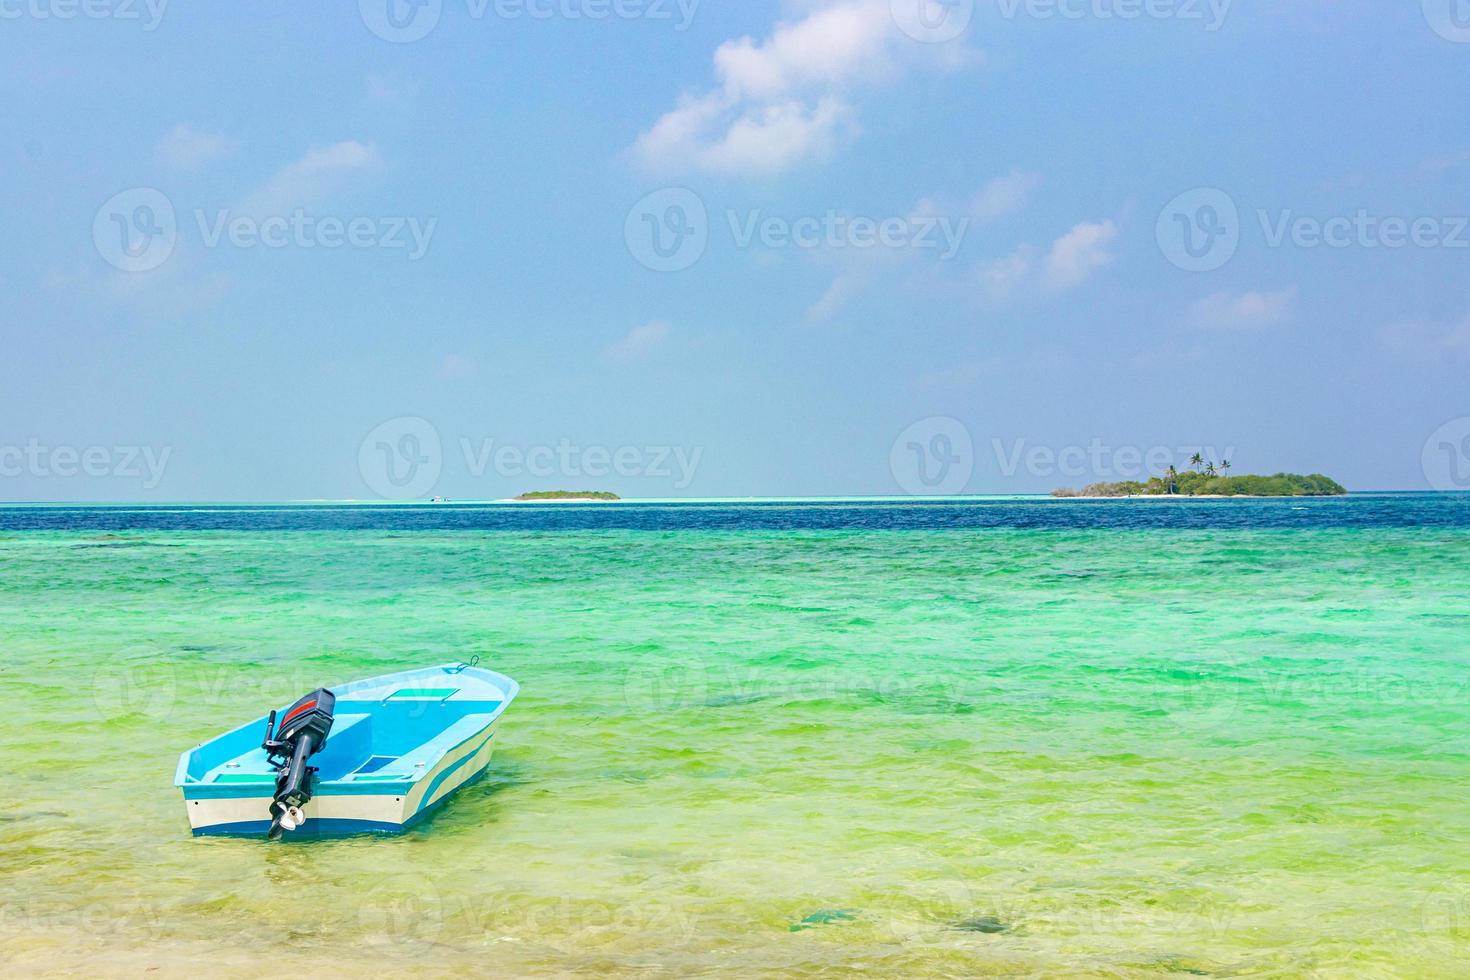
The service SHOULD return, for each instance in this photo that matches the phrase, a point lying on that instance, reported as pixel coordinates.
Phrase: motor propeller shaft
(302, 733)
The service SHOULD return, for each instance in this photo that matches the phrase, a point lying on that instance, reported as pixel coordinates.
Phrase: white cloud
(837, 296)
(185, 148)
(1347, 182)
(964, 374)
(321, 172)
(1254, 309)
(1079, 253)
(1068, 263)
(391, 89)
(784, 99)
(1428, 340)
(1001, 277)
(175, 289)
(773, 138)
(639, 342)
(1004, 195)
(1445, 162)
(455, 367)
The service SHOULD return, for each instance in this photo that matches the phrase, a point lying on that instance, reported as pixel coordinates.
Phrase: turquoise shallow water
(1142, 750)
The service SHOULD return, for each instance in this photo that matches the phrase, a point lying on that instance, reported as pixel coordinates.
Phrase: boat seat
(348, 746)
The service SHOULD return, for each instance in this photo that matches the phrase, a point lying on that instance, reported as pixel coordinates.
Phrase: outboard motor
(303, 732)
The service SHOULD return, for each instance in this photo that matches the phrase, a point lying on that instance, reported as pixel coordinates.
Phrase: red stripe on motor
(305, 707)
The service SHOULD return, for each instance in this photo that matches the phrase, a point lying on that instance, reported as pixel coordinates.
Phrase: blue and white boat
(373, 756)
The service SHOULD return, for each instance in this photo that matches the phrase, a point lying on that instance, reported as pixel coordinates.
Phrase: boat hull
(402, 745)
(330, 814)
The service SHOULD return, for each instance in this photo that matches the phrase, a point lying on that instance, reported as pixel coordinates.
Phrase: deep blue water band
(1359, 510)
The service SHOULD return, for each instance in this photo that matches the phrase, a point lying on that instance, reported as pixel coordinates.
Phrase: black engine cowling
(302, 732)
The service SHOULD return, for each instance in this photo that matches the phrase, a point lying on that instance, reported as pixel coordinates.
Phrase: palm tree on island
(1205, 478)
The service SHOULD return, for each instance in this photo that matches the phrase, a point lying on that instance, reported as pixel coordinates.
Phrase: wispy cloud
(1346, 182)
(457, 367)
(186, 148)
(999, 278)
(1246, 311)
(1069, 262)
(639, 342)
(1428, 340)
(388, 89)
(838, 294)
(320, 173)
(1445, 162)
(936, 238)
(1079, 253)
(784, 99)
(1004, 195)
(176, 289)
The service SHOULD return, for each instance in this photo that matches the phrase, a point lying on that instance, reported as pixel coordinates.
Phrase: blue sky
(892, 257)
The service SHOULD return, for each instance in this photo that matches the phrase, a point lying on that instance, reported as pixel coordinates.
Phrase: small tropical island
(540, 495)
(1204, 478)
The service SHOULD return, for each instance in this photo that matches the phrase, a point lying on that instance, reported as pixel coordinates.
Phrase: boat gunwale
(346, 786)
